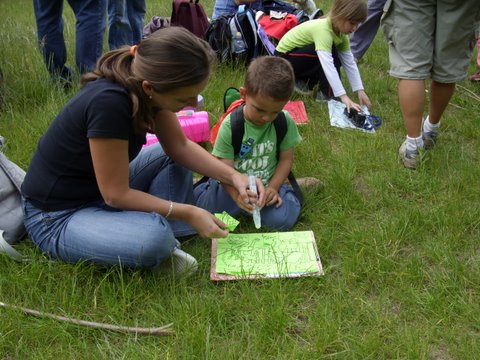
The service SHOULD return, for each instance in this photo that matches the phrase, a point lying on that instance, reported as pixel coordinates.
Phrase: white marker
(256, 211)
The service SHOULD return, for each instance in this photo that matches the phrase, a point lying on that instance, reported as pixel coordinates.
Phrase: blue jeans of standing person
(363, 37)
(89, 32)
(98, 233)
(211, 196)
(125, 22)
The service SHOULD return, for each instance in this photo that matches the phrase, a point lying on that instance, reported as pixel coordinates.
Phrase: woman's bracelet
(170, 209)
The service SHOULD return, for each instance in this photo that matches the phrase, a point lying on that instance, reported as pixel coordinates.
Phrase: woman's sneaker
(180, 263)
(183, 264)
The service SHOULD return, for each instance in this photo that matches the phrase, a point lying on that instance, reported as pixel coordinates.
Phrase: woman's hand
(206, 224)
(363, 99)
(247, 206)
(246, 198)
(272, 197)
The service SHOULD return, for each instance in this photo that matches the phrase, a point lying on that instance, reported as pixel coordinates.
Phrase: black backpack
(237, 37)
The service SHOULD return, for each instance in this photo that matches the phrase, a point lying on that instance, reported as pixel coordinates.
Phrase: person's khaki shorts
(430, 38)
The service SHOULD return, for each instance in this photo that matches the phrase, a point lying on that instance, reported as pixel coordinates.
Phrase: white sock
(429, 127)
(414, 143)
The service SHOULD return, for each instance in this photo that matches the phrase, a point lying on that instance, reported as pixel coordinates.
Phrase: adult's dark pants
(307, 67)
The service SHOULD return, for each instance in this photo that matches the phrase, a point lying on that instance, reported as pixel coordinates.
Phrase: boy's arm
(284, 166)
(282, 170)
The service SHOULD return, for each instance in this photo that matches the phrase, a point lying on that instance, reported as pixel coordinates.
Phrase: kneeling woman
(92, 194)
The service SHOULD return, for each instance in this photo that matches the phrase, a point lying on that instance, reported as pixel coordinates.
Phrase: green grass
(400, 248)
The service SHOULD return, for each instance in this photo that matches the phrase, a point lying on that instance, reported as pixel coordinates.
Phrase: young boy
(267, 88)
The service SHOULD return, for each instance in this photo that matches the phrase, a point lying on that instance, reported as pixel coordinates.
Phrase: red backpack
(190, 15)
(214, 130)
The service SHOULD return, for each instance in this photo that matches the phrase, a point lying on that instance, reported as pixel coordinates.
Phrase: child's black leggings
(306, 67)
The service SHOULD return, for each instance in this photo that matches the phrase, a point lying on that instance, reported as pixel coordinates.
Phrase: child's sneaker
(321, 97)
(309, 182)
(409, 158)
(302, 88)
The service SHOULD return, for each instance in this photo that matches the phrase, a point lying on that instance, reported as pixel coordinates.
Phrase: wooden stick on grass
(159, 331)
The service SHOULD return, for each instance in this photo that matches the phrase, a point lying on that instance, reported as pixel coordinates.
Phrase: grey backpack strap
(11, 214)
(6, 248)
(13, 171)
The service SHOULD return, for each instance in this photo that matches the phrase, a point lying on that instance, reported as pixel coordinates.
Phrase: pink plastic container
(195, 125)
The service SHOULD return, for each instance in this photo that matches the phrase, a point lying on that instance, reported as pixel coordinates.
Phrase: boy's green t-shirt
(263, 157)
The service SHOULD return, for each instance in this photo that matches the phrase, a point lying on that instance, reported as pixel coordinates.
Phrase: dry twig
(159, 331)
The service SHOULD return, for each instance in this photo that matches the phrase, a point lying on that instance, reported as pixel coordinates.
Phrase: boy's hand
(272, 197)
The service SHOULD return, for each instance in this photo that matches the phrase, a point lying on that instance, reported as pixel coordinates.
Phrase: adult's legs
(154, 172)
(363, 37)
(101, 235)
(104, 235)
(48, 16)
(136, 15)
(90, 29)
(119, 29)
(411, 94)
(440, 95)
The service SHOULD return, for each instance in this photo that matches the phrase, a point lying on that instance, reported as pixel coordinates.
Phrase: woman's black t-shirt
(61, 175)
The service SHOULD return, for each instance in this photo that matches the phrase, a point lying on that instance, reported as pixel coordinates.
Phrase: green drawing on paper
(280, 253)
(227, 219)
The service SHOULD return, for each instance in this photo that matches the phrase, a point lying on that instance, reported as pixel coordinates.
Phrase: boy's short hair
(270, 76)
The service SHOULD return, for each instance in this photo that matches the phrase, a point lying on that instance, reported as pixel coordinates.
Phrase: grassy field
(400, 248)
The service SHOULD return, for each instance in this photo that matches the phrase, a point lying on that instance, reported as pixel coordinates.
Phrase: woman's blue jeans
(89, 32)
(98, 233)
